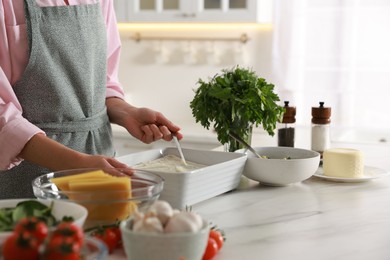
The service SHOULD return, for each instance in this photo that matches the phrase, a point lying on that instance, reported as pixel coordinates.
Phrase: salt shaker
(286, 131)
(320, 131)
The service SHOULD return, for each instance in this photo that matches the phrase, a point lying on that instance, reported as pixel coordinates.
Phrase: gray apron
(63, 89)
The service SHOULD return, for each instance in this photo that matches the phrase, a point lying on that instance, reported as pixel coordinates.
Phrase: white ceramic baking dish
(221, 174)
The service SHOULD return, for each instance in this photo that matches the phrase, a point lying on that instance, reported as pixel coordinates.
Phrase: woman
(59, 91)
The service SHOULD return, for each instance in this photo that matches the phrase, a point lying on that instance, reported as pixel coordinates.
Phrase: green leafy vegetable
(235, 100)
(29, 208)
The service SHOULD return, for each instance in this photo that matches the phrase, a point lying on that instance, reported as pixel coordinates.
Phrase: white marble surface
(315, 219)
(310, 220)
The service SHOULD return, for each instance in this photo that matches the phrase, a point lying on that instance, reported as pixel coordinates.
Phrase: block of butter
(343, 163)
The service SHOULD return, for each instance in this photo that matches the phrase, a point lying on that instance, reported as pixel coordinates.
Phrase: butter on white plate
(343, 163)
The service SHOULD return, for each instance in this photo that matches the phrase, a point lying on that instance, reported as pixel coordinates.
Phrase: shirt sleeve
(15, 130)
(114, 88)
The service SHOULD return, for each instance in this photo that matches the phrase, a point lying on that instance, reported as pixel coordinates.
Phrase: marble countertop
(310, 220)
(314, 219)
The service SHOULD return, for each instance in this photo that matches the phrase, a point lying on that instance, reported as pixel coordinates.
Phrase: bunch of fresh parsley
(235, 100)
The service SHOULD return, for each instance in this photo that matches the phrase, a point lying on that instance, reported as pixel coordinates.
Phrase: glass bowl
(107, 204)
(94, 249)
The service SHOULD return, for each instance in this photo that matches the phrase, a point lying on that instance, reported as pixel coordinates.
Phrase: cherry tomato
(37, 228)
(218, 237)
(63, 248)
(20, 246)
(211, 249)
(118, 235)
(107, 236)
(69, 229)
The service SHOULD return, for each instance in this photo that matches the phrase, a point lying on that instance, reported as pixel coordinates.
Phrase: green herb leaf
(5, 219)
(235, 100)
(29, 208)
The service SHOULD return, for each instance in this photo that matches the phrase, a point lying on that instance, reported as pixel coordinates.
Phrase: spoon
(240, 140)
(179, 148)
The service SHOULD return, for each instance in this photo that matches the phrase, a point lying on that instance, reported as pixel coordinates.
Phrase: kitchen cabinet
(193, 11)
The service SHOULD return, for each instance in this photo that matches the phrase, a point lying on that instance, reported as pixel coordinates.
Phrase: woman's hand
(98, 161)
(144, 124)
(50, 154)
(103, 162)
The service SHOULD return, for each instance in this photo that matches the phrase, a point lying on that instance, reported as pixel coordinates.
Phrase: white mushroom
(138, 216)
(184, 222)
(163, 211)
(148, 224)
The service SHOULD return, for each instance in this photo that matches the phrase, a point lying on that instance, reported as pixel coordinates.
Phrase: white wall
(168, 87)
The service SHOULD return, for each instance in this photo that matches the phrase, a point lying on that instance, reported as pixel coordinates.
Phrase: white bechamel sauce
(168, 163)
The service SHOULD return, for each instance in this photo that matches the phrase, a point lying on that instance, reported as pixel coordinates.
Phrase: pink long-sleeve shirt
(16, 131)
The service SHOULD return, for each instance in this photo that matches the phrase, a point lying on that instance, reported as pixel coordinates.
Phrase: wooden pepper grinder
(286, 131)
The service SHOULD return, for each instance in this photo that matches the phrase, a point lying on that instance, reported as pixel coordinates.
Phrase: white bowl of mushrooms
(165, 233)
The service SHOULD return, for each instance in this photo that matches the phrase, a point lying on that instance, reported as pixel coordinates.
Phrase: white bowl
(222, 173)
(157, 246)
(277, 170)
(60, 209)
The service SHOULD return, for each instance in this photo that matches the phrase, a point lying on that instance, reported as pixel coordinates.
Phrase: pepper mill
(286, 131)
(320, 131)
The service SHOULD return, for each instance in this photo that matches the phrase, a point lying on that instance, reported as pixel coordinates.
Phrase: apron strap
(87, 124)
(31, 10)
(32, 14)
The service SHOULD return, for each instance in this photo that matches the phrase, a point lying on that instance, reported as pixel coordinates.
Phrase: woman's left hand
(144, 124)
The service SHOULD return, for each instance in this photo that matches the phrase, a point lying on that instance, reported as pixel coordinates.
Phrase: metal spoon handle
(239, 139)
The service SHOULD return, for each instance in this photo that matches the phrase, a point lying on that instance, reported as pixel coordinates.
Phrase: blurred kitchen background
(334, 51)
